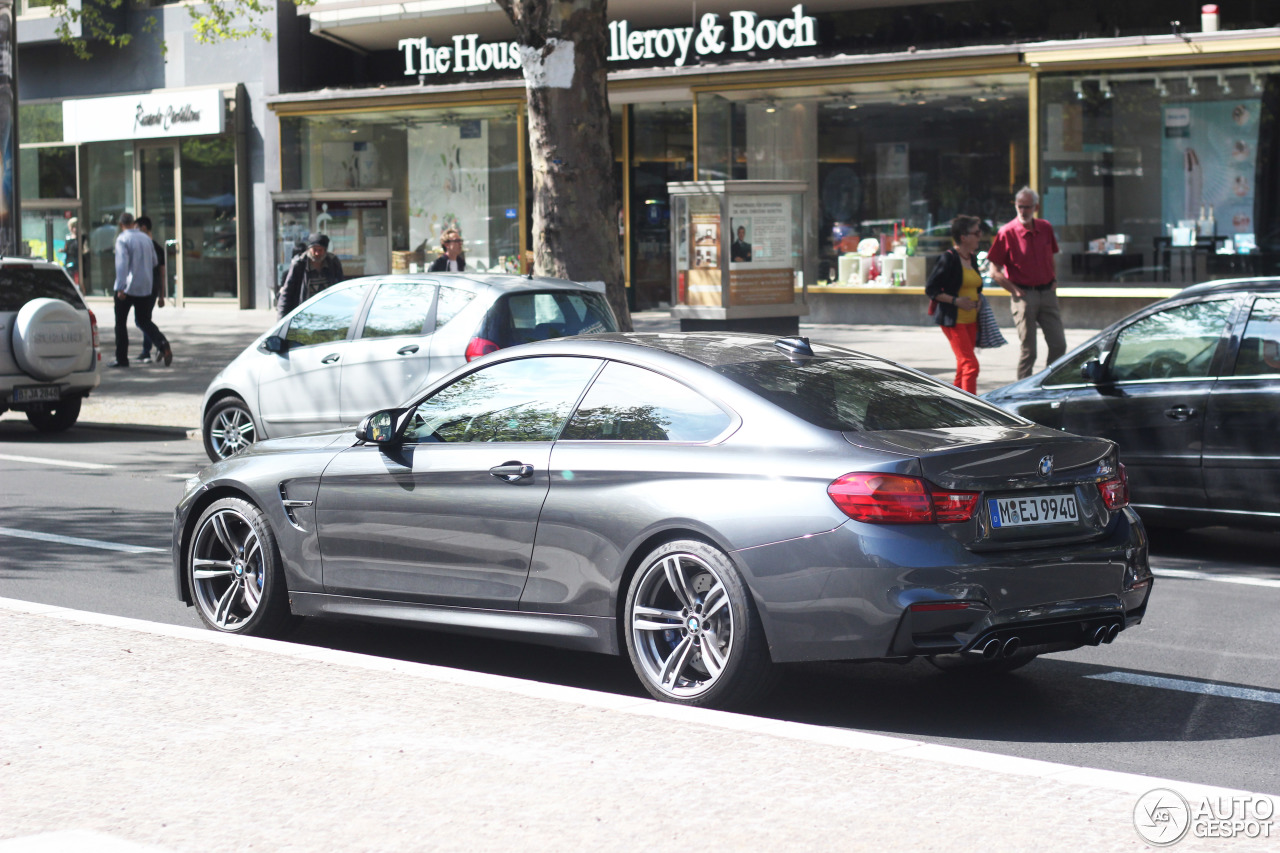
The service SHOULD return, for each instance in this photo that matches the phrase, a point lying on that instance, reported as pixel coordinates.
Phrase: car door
(390, 355)
(449, 516)
(1153, 398)
(298, 387)
(623, 459)
(1241, 454)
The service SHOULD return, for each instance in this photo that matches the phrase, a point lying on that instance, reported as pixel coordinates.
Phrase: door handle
(512, 472)
(407, 350)
(331, 358)
(1179, 413)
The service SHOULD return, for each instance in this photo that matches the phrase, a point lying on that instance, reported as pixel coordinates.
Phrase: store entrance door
(157, 193)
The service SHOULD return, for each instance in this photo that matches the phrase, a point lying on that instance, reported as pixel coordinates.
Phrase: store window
(1162, 176)
(446, 168)
(208, 216)
(107, 192)
(878, 157)
(661, 147)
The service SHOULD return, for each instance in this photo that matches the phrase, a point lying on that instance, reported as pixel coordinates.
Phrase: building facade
(1154, 146)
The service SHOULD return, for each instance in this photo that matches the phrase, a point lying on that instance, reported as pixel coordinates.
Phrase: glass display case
(738, 255)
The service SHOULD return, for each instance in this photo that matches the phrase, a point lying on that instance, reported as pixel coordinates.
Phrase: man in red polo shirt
(1021, 259)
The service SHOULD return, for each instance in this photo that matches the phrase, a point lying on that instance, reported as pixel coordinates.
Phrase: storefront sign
(152, 116)
(743, 32)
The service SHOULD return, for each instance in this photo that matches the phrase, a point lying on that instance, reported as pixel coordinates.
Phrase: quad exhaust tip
(1112, 632)
(1010, 647)
(995, 648)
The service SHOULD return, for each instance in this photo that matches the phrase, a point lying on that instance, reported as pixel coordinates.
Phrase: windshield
(854, 395)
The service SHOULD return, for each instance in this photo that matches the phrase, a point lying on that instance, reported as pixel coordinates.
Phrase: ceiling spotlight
(1161, 89)
(1224, 84)
(852, 104)
(1192, 88)
(1104, 86)
(1078, 88)
(770, 107)
(1255, 81)
(917, 96)
(999, 93)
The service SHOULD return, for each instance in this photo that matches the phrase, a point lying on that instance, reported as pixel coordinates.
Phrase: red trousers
(962, 338)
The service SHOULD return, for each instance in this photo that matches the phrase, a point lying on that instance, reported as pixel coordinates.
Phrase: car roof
(503, 283)
(1231, 285)
(714, 349)
(10, 260)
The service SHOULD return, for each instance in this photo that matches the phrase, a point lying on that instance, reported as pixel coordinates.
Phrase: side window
(527, 399)
(1178, 343)
(1260, 349)
(452, 301)
(328, 319)
(632, 404)
(399, 308)
(1068, 373)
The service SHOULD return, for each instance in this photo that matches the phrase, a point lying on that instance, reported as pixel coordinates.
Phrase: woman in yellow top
(955, 286)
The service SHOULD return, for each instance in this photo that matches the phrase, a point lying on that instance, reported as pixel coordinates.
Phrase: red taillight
(479, 347)
(93, 326)
(895, 499)
(1115, 492)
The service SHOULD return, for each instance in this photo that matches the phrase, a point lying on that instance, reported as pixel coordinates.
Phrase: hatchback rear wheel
(56, 417)
(692, 630)
(235, 573)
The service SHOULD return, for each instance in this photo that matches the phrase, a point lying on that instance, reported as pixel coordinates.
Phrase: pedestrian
(955, 286)
(452, 260)
(158, 282)
(1021, 258)
(311, 272)
(134, 287)
(71, 251)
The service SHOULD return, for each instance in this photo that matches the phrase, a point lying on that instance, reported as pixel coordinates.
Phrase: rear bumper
(846, 594)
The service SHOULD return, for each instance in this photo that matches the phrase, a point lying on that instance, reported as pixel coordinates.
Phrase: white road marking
(75, 540)
(1185, 574)
(1186, 686)
(61, 463)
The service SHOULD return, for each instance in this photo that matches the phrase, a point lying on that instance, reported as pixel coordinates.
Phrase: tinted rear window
(863, 396)
(19, 286)
(522, 318)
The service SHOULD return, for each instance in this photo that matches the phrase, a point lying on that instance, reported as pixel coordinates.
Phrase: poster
(893, 180)
(706, 240)
(1208, 163)
(349, 165)
(449, 188)
(760, 267)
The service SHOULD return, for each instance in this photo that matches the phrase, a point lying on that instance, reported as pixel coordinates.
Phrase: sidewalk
(133, 736)
(205, 339)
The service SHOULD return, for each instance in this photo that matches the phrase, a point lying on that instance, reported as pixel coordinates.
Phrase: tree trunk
(575, 198)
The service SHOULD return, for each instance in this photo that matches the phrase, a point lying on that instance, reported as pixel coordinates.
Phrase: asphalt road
(1192, 694)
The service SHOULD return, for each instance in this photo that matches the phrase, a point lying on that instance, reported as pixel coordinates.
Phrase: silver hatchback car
(372, 342)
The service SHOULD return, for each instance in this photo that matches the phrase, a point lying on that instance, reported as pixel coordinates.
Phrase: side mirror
(1091, 371)
(380, 427)
(275, 344)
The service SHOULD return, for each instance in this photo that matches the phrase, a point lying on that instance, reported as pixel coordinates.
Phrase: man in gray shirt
(135, 260)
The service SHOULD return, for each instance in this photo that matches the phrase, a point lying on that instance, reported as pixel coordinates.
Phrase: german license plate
(1024, 512)
(37, 393)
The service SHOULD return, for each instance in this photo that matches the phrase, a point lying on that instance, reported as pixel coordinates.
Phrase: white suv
(48, 344)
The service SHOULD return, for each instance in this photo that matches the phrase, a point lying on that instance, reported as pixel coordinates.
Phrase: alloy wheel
(231, 431)
(228, 569)
(682, 625)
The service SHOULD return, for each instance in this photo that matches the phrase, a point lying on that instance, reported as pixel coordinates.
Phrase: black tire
(233, 569)
(56, 417)
(977, 665)
(229, 428)
(714, 654)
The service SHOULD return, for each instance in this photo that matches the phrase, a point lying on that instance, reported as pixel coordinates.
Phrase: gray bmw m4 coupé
(711, 505)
